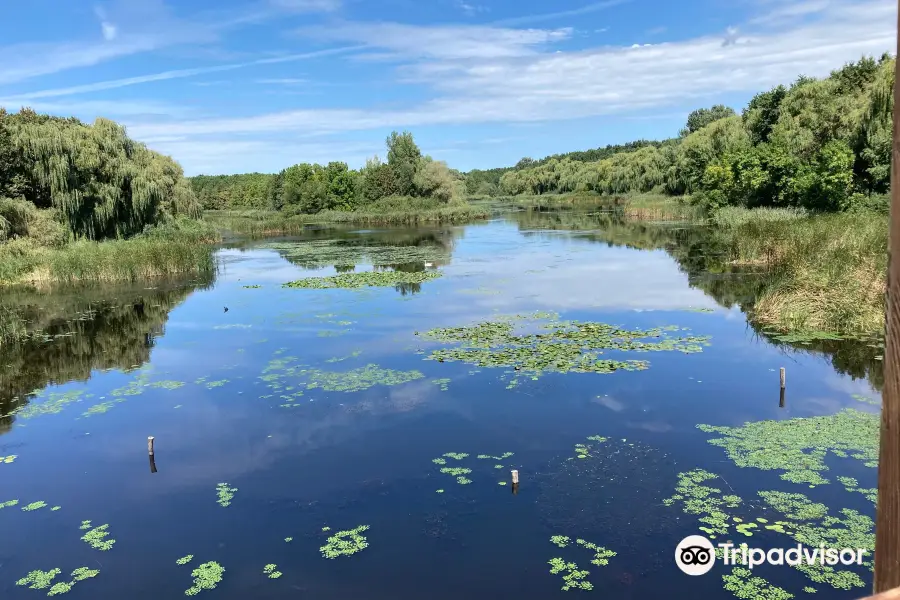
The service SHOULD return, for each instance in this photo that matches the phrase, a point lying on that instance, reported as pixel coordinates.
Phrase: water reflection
(64, 336)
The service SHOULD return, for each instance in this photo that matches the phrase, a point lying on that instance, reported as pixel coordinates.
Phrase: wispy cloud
(469, 9)
(575, 12)
(791, 11)
(444, 42)
(307, 5)
(108, 29)
(513, 82)
(175, 74)
(282, 81)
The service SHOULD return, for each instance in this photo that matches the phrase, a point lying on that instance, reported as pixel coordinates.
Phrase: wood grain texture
(887, 520)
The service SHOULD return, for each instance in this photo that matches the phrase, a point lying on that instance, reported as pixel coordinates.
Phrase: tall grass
(827, 272)
(177, 249)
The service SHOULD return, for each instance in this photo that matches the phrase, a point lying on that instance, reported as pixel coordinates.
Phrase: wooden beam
(887, 519)
(893, 594)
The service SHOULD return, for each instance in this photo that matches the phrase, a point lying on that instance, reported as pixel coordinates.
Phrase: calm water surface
(340, 459)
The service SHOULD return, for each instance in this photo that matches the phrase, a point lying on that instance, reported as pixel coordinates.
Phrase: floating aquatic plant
(463, 480)
(353, 354)
(271, 572)
(184, 559)
(439, 461)
(799, 446)
(572, 576)
(48, 403)
(441, 383)
(742, 583)
(8, 503)
(96, 537)
(325, 253)
(345, 543)
(852, 485)
(601, 554)
(562, 347)
(39, 580)
(560, 540)
(456, 455)
(225, 493)
(809, 590)
(251, 287)
(804, 337)
(439, 491)
(8, 459)
(364, 279)
(214, 384)
(359, 379)
(456, 471)
(56, 508)
(206, 577)
(288, 539)
(34, 506)
(703, 500)
(866, 399)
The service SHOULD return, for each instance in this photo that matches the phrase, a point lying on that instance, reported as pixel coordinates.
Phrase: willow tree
(102, 183)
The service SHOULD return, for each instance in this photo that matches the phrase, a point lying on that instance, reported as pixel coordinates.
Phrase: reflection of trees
(64, 336)
(344, 268)
(703, 253)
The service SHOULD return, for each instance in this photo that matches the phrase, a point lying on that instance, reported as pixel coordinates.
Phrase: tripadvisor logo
(696, 555)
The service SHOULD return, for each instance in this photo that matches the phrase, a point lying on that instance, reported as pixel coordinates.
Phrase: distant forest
(822, 144)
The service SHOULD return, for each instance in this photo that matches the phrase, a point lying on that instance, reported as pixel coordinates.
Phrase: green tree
(702, 117)
(403, 157)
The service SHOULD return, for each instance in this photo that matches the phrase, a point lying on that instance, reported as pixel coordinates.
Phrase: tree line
(62, 178)
(309, 188)
(822, 144)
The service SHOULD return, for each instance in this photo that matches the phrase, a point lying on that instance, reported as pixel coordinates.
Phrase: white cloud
(444, 42)
(589, 8)
(512, 82)
(166, 75)
(470, 10)
(109, 29)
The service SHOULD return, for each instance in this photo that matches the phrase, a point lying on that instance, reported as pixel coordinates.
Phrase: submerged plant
(206, 577)
(798, 446)
(225, 493)
(96, 537)
(345, 543)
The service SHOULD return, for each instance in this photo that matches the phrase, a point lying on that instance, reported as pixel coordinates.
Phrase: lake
(283, 416)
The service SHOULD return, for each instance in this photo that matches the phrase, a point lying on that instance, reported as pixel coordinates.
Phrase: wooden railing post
(887, 520)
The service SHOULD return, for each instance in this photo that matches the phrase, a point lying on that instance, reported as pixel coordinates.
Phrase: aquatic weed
(345, 543)
(560, 540)
(742, 583)
(8, 459)
(572, 576)
(184, 559)
(225, 494)
(271, 572)
(799, 446)
(96, 537)
(34, 506)
(364, 279)
(601, 554)
(206, 577)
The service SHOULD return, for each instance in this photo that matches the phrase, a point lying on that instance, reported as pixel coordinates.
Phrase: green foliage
(184, 559)
(572, 576)
(820, 144)
(270, 570)
(364, 279)
(225, 494)
(798, 446)
(206, 577)
(742, 583)
(345, 543)
(100, 182)
(96, 536)
(39, 580)
(702, 117)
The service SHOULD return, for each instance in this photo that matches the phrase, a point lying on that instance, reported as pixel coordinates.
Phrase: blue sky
(231, 86)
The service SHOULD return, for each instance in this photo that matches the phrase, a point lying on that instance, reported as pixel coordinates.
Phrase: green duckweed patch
(34, 506)
(460, 472)
(48, 403)
(271, 571)
(583, 450)
(852, 485)
(743, 584)
(288, 540)
(364, 279)
(284, 374)
(225, 494)
(345, 543)
(556, 347)
(441, 383)
(184, 559)
(572, 576)
(8, 459)
(798, 447)
(96, 537)
(353, 354)
(325, 253)
(40, 580)
(206, 577)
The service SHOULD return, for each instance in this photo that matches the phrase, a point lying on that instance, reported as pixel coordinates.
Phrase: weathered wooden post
(150, 452)
(781, 376)
(887, 519)
(515, 477)
(781, 398)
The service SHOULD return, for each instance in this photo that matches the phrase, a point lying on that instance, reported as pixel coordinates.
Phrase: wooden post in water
(515, 477)
(887, 518)
(781, 398)
(150, 452)
(781, 376)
